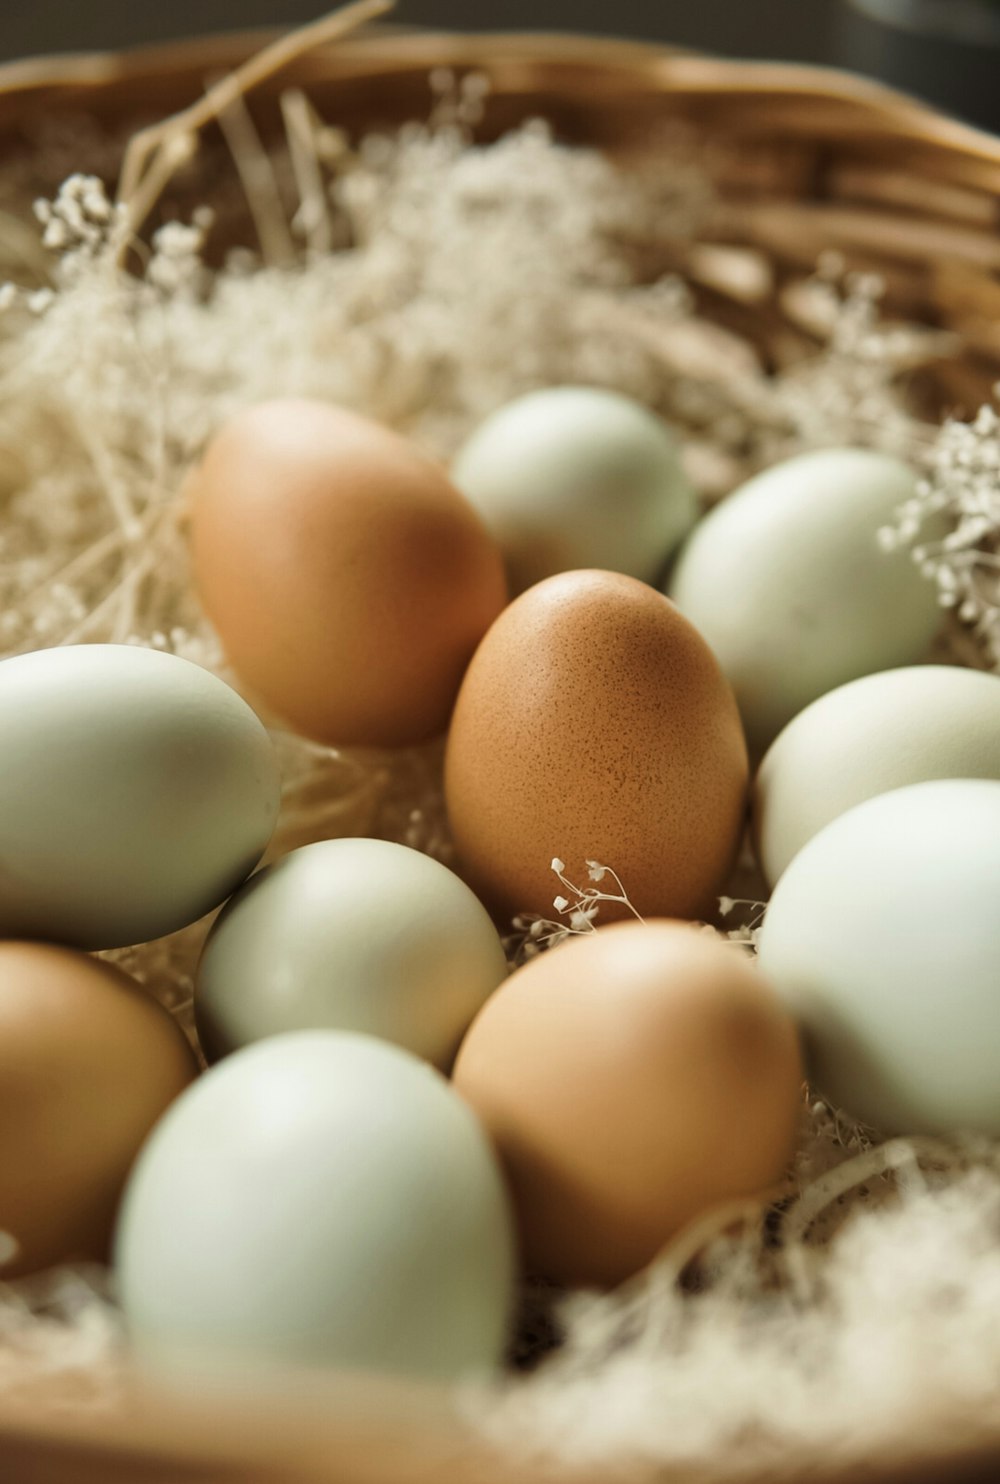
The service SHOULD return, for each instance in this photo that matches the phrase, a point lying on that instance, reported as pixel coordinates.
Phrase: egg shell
(360, 935)
(348, 580)
(631, 1079)
(137, 790)
(577, 477)
(883, 937)
(88, 1062)
(594, 723)
(878, 733)
(789, 584)
(320, 1198)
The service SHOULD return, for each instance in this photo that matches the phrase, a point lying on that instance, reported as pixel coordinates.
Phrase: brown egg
(348, 580)
(632, 1079)
(88, 1062)
(594, 723)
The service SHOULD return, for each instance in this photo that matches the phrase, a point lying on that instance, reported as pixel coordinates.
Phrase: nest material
(772, 260)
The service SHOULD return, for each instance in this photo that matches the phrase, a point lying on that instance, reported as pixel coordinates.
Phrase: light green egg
(878, 733)
(319, 1199)
(356, 935)
(137, 790)
(572, 477)
(789, 584)
(883, 937)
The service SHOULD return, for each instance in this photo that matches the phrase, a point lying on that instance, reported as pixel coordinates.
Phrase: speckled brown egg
(348, 580)
(88, 1062)
(632, 1080)
(595, 724)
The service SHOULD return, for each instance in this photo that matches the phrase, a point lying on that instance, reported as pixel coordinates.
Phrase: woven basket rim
(659, 66)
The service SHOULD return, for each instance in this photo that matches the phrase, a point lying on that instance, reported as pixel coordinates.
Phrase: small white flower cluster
(176, 266)
(953, 525)
(849, 392)
(744, 933)
(79, 226)
(459, 101)
(81, 223)
(532, 934)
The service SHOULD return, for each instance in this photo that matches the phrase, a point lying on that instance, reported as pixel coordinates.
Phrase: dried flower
(952, 525)
(532, 934)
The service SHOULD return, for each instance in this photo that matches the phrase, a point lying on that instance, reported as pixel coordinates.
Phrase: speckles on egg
(594, 722)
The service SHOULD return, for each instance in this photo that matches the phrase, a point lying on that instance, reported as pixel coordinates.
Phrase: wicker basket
(809, 160)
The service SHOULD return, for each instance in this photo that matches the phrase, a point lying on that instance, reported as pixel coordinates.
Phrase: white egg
(358, 935)
(875, 734)
(322, 1199)
(137, 790)
(883, 936)
(573, 477)
(787, 581)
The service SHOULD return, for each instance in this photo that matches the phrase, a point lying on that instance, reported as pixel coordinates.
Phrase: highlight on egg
(878, 733)
(577, 476)
(632, 1079)
(137, 791)
(594, 721)
(348, 580)
(320, 1198)
(790, 585)
(354, 935)
(883, 939)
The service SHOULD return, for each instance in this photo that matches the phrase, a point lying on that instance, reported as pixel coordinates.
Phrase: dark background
(782, 28)
(963, 78)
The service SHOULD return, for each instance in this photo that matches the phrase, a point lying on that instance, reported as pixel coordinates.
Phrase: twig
(152, 155)
(259, 184)
(313, 216)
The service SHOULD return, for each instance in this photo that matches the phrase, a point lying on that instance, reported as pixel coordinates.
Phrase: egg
(632, 1080)
(360, 935)
(137, 791)
(348, 580)
(88, 1062)
(574, 476)
(788, 583)
(594, 724)
(321, 1198)
(875, 734)
(883, 937)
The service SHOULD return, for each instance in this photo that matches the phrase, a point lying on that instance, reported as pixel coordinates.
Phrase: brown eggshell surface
(348, 580)
(632, 1080)
(594, 723)
(88, 1062)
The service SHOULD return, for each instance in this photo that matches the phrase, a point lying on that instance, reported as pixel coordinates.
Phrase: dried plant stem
(174, 152)
(301, 129)
(892, 1158)
(84, 562)
(114, 488)
(152, 155)
(253, 165)
(108, 609)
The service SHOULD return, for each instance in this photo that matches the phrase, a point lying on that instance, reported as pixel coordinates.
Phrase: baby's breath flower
(578, 909)
(81, 224)
(953, 525)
